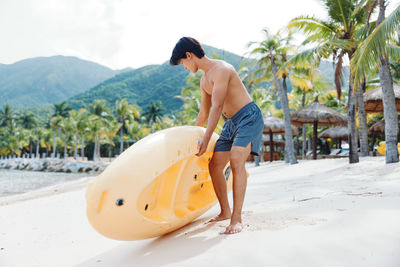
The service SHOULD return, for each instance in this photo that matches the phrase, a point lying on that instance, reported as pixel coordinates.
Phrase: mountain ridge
(38, 81)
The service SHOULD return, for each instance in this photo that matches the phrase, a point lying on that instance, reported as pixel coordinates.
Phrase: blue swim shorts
(242, 128)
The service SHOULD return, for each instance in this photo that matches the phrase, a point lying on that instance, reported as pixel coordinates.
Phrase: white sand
(315, 213)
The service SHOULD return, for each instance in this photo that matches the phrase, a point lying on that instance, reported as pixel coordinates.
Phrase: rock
(53, 165)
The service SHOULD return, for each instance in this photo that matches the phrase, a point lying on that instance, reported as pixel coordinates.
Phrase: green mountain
(150, 83)
(44, 80)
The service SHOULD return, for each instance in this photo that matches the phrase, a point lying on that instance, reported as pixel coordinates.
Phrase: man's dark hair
(186, 44)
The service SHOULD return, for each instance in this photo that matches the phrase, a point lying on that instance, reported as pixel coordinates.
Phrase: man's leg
(216, 167)
(238, 158)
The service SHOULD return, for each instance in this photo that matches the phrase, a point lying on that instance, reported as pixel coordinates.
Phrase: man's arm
(220, 88)
(204, 109)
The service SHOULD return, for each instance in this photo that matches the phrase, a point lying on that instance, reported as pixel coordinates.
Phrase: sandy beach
(315, 213)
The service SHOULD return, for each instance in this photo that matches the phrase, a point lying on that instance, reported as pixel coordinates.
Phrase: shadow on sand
(182, 244)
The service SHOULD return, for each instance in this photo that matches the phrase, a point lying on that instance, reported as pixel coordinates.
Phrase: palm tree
(99, 118)
(38, 134)
(81, 129)
(47, 140)
(308, 83)
(7, 115)
(20, 139)
(55, 125)
(123, 111)
(68, 128)
(273, 51)
(137, 131)
(27, 120)
(109, 134)
(338, 37)
(153, 113)
(376, 50)
(61, 109)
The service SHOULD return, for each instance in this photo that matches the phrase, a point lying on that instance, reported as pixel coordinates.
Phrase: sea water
(16, 182)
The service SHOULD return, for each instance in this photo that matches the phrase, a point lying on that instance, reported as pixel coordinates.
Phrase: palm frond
(368, 54)
(394, 51)
(310, 56)
(343, 44)
(315, 29)
(363, 31)
(360, 7)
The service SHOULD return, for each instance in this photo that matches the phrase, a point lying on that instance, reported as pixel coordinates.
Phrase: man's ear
(188, 55)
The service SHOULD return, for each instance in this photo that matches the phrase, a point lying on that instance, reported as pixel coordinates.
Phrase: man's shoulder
(222, 68)
(222, 64)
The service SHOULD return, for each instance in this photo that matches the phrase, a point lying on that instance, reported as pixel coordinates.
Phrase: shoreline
(46, 191)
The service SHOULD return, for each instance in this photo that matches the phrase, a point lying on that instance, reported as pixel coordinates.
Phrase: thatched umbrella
(373, 99)
(378, 128)
(317, 114)
(275, 125)
(337, 132)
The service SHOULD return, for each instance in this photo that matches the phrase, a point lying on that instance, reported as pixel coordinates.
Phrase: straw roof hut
(378, 128)
(317, 114)
(275, 125)
(373, 99)
(337, 132)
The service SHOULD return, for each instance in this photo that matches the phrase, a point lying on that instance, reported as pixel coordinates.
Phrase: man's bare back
(236, 96)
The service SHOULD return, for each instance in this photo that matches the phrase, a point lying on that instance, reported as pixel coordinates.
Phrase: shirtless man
(223, 92)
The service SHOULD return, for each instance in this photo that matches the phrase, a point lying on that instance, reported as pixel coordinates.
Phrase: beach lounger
(334, 152)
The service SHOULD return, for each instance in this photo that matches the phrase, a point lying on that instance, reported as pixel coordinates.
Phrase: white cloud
(121, 33)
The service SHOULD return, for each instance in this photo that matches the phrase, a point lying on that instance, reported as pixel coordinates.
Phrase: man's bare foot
(234, 228)
(220, 217)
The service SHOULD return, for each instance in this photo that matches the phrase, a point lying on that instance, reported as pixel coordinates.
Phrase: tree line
(69, 132)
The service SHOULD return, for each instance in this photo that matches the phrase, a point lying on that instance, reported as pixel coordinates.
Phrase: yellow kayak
(154, 187)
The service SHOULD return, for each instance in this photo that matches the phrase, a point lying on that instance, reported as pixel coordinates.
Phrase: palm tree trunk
(389, 103)
(98, 148)
(303, 102)
(37, 148)
(95, 148)
(351, 119)
(362, 118)
(83, 147)
(65, 150)
(76, 146)
(271, 146)
(289, 148)
(121, 145)
(54, 144)
(315, 136)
